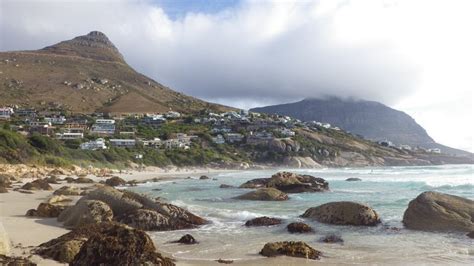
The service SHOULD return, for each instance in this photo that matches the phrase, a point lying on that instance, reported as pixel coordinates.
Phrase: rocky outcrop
(290, 248)
(343, 213)
(264, 194)
(119, 245)
(52, 180)
(86, 212)
(330, 239)
(289, 183)
(46, 210)
(470, 234)
(299, 228)
(263, 221)
(115, 181)
(203, 177)
(5, 182)
(225, 186)
(81, 180)
(186, 239)
(68, 191)
(434, 211)
(107, 244)
(138, 210)
(38, 184)
(352, 179)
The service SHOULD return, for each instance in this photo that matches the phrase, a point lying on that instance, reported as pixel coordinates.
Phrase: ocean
(386, 189)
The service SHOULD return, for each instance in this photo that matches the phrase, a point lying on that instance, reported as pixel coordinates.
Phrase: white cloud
(410, 54)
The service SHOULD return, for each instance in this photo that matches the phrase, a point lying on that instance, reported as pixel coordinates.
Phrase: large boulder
(434, 211)
(86, 212)
(343, 213)
(265, 194)
(38, 184)
(115, 181)
(289, 183)
(161, 216)
(67, 247)
(68, 191)
(298, 227)
(46, 210)
(80, 180)
(263, 221)
(6, 180)
(119, 245)
(290, 248)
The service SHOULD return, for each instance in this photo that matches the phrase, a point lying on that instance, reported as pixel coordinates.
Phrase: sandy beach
(25, 233)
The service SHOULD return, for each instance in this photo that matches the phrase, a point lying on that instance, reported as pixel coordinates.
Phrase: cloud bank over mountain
(262, 52)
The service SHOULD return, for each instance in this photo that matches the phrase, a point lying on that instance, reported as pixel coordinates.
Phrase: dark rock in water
(264, 194)
(156, 189)
(115, 181)
(119, 245)
(331, 239)
(289, 183)
(38, 184)
(299, 228)
(186, 239)
(353, 179)
(203, 177)
(224, 261)
(343, 213)
(470, 234)
(290, 248)
(434, 211)
(15, 261)
(263, 221)
(86, 212)
(46, 210)
(225, 186)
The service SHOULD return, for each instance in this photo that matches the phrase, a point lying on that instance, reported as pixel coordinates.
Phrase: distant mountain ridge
(372, 120)
(86, 74)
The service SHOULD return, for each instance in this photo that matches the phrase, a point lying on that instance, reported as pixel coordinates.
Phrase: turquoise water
(388, 190)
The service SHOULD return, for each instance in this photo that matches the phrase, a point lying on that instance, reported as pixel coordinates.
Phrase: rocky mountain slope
(86, 74)
(369, 119)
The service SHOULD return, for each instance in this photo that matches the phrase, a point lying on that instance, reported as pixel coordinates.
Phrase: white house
(218, 139)
(234, 137)
(69, 136)
(172, 114)
(56, 120)
(6, 112)
(287, 132)
(124, 143)
(435, 150)
(98, 144)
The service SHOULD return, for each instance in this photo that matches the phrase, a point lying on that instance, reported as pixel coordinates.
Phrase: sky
(413, 55)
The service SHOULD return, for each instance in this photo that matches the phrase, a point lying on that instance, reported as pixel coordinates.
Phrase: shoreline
(27, 232)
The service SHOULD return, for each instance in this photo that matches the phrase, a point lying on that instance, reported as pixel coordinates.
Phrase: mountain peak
(95, 45)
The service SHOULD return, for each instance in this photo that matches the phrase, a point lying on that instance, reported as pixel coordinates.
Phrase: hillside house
(25, 112)
(219, 139)
(98, 144)
(123, 143)
(6, 113)
(172, 114)
(259, 138)
(234, 137)
(153, 143)
(55, 120)
(103, 127)
(69, 136)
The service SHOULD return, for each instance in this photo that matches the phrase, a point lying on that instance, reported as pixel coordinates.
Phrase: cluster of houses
(225, 128)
